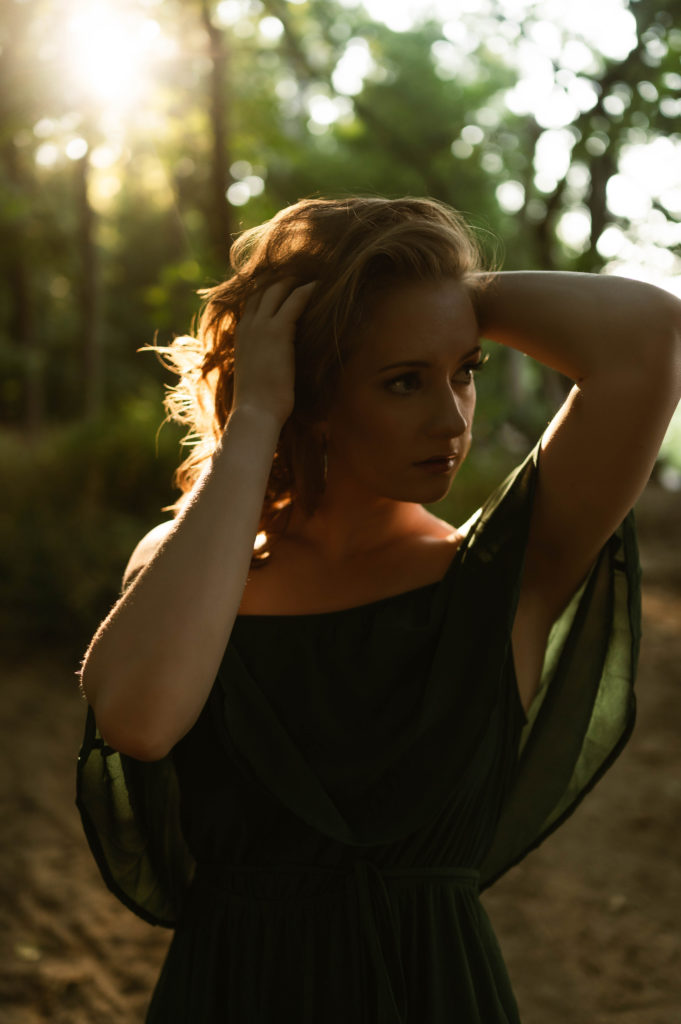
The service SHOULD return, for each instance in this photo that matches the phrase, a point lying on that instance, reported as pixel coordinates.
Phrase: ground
(589, 923)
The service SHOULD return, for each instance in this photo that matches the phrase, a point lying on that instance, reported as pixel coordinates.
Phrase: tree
(250, 106)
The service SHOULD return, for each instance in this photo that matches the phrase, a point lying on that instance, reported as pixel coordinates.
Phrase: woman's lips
(438, 465)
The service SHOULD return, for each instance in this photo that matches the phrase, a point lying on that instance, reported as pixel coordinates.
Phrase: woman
(326, 718)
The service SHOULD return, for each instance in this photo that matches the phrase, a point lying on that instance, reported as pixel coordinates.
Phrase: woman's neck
(348, 526)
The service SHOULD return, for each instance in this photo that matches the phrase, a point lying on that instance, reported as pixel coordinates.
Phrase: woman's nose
(450, 418)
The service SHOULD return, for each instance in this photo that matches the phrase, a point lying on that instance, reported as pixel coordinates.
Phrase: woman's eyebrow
(424, 364)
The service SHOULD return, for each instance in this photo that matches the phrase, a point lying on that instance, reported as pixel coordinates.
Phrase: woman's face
(407, 395)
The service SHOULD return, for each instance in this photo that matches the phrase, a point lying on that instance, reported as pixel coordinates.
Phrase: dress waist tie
(381, 930)
(378, 924)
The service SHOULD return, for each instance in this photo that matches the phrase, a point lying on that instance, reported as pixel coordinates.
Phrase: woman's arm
(620, 342)
(152, 663)
(579, 324)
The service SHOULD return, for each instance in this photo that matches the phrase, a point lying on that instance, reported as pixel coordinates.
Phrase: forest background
(136, 139)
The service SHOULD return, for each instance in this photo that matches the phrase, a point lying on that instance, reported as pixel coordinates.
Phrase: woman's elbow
(676, 344)
(141, 747)
(127, 729)
(669, 322)
(659, 353)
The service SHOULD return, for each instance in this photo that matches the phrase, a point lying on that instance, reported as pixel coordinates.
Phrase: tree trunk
(220, 224)
(90, 334)
(20, 318)
(602, 169)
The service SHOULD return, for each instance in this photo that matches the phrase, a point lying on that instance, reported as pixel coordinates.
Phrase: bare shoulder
(441, 530)
(297, 581)
(145, 551)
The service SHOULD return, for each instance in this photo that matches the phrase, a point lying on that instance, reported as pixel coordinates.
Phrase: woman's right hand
(264, 372)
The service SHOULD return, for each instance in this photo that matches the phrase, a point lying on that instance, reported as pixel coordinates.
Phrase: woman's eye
(468, 370)
(407, 383)
(465, 374)
(403, 385)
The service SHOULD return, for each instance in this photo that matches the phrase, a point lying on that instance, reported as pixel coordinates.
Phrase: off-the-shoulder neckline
(340, 611)
(365, 605)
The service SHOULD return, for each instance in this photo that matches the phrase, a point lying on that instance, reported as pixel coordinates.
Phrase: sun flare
(110, 51)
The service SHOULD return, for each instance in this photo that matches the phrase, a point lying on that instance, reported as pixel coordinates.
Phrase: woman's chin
(428, 494)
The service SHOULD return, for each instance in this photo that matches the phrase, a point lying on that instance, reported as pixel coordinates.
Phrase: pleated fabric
(320, 837)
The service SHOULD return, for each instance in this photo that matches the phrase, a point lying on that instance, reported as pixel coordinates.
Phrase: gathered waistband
(366, 884)
(304, 881)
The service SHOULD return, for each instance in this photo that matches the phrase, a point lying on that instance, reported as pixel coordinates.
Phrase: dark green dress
(319, 838)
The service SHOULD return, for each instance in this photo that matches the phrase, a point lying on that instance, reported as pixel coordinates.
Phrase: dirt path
(589, 923)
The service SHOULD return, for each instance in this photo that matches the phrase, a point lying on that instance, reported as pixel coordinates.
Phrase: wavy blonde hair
(355, 248)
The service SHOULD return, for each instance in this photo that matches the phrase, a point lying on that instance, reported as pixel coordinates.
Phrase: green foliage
(153, 203)
(76, 503)
(105, 252)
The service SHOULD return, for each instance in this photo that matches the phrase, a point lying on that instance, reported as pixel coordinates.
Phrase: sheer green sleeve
(584, 711)
(130, 814)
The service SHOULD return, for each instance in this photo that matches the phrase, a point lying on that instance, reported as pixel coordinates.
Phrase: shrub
(77, 500)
